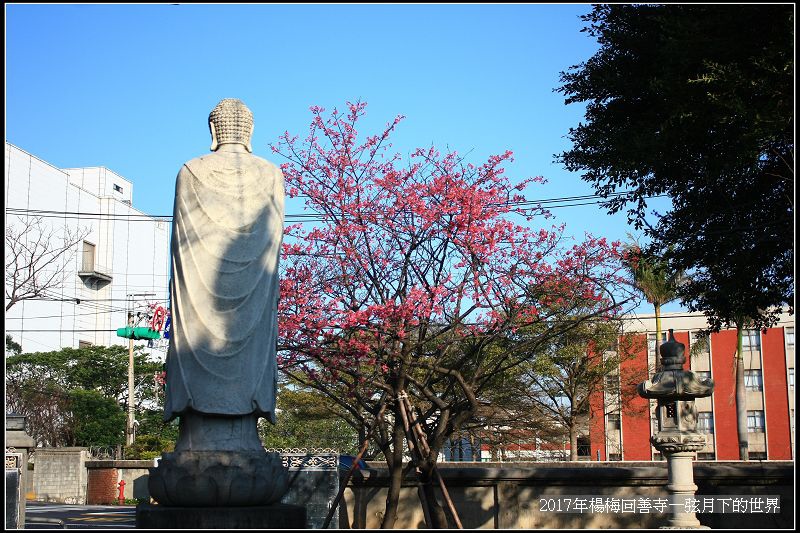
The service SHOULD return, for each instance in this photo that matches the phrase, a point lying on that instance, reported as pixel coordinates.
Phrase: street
(42, 515)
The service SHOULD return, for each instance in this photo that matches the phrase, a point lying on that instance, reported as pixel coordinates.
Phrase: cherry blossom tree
(412, 283)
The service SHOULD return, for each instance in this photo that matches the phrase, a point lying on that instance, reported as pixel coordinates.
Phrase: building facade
(120, 265)
(622, 430)
(620, 422)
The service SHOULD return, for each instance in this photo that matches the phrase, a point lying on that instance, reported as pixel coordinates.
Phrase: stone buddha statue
(221, 367)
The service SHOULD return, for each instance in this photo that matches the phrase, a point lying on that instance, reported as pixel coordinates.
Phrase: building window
(615, 457)
(791, 379)
(614, 422)
(584, 447)
(706, 456)
(790, 337)
(700, 344)
(651, 341)
(755, 421)
(612, 383)
(752, 380)
(88, 257)
(117, 188)
(757, 456)
(702, 374)
(751, 340)
(705, 422)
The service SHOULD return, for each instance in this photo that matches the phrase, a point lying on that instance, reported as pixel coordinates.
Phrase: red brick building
(624, 433)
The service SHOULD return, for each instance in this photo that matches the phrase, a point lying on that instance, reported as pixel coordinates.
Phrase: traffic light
(138, 333)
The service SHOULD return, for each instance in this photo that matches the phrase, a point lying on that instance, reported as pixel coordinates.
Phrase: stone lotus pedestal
(219, 477)
(677, 439)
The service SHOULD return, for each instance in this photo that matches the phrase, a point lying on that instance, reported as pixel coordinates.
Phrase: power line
(82, 300)
(290, 219)
(22, 210)
(95, 312)
(92, 304)
(311, 217)
(114, 330)
(59, 330)
(96, 306)
(562, 321)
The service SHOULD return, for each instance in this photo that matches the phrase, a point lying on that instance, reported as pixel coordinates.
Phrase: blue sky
(129, 87)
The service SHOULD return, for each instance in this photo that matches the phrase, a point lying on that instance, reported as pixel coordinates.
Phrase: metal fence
(313, 482)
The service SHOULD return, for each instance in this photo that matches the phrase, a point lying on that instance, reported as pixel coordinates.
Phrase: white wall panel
(133, 250)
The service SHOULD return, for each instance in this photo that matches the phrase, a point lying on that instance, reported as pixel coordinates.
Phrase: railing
(91, 266)
(93, 270)
(104, 452)
(308, 458)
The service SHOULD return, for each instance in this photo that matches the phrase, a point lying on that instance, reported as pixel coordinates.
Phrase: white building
(121, 264)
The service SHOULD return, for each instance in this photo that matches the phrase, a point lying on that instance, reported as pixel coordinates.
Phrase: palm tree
(740, 390)
(654, 278)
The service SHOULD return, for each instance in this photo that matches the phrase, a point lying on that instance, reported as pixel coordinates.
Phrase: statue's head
(231, 122)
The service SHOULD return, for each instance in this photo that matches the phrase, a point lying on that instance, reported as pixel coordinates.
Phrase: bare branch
(37, 258)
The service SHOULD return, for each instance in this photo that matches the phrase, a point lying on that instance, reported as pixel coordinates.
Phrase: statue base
(275, 516)
(219, 478)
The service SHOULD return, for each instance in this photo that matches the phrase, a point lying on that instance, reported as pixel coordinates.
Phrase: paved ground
(40, 515)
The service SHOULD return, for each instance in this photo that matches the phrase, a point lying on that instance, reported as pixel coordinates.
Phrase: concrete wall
(490, 496)
(486, 495)
(30, 492)
(60, 475)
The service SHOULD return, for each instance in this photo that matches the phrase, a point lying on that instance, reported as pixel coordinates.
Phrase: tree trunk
(392, 498)
(741, 398)
(437, 515)
(573, 442)
(657, 308)
(395, 473)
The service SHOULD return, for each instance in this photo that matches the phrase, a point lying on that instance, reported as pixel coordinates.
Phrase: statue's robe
(226, 239)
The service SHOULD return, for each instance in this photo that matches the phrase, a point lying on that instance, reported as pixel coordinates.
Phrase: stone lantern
(677, 438)
(18, 446)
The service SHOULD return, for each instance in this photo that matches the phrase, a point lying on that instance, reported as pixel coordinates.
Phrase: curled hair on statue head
(231, 122)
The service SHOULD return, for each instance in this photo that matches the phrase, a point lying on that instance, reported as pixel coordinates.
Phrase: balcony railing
(92, 271)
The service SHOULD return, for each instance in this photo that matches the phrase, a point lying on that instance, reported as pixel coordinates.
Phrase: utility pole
(132, 333)
(131, 399)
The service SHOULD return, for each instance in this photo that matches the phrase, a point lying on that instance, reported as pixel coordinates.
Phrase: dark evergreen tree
(695, 102)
